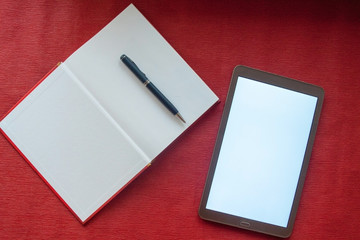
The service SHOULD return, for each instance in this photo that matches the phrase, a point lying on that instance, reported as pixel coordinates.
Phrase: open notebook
(89, 127)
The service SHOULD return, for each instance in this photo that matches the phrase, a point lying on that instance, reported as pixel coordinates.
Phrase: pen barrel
(162, 98)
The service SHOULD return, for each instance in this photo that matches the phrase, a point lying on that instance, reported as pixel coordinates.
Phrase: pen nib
(181, 118)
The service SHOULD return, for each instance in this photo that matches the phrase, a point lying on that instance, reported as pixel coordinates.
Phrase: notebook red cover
(88, 128)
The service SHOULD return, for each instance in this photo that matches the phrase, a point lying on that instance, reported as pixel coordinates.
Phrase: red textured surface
(313, 41)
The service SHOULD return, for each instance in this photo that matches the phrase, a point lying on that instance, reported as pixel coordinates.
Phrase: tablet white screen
(262, 152)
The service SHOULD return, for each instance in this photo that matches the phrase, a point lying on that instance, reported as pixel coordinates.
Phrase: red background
(314, 41)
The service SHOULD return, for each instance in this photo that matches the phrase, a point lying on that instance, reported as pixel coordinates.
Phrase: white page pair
(90, 127)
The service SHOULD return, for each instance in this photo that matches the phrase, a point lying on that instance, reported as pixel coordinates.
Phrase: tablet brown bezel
(275, 80)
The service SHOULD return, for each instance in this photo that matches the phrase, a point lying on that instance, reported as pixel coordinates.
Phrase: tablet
(262, 152)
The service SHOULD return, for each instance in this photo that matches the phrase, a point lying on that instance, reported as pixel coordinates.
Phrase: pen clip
(134, 68)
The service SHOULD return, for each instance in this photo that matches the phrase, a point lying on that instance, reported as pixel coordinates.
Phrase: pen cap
(133, 68)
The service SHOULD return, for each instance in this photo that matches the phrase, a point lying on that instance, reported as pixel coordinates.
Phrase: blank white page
(79, 150)
(262, 152)
(97, 64)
